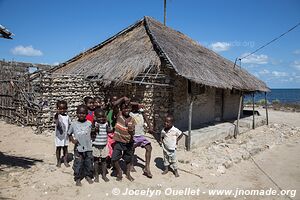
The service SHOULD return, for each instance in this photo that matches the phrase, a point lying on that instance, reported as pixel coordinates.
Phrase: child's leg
(148, 158)
(58, 152)
(96, 169)
(116, 156)
(127, 156)
(132, 169)
(88, 166)
(173, 163)
(116, 164)
(104, 169)
(78, 167)
(65, 152)
(166, 162)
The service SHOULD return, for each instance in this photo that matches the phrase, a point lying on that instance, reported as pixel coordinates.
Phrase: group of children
(106, 132)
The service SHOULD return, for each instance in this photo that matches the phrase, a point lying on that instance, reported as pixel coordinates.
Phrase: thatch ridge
(145, 43)
(199, 64)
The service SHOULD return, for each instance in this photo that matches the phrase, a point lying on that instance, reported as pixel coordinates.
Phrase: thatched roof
(148, 42)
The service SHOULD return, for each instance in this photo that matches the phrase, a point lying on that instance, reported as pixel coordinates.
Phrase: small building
(166, 71)
(151, 63)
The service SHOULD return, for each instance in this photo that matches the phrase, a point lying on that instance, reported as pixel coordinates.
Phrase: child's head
(125, 109)
(99, 102)
(89, 102)
(62, 106)
(169, 120)
(99, 116)
(135, 108)
(81, 112)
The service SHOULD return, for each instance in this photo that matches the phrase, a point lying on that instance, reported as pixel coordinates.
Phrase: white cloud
(296, 64)
(56, 63)
(264, 71)
(255, 59)
(220, 46)
(296, 52)
(26, 51)
(279, 74)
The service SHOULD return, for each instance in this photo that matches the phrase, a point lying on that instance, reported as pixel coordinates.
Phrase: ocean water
(283, 95)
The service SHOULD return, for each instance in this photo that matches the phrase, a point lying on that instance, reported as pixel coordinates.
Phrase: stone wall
(51, 88)
(156, 100)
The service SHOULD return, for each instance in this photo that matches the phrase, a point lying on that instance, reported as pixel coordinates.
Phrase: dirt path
(28, 171)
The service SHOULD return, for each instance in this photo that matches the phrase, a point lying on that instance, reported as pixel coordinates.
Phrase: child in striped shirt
(100, 129)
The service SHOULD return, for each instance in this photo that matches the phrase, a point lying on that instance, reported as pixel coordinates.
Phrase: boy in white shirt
(170, 136)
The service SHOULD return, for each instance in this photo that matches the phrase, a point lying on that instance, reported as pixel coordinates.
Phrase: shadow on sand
(16, 161)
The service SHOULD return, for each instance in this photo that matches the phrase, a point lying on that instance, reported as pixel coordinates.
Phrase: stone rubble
(223, 154)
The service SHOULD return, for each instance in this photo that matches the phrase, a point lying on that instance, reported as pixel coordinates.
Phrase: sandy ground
(27, 170)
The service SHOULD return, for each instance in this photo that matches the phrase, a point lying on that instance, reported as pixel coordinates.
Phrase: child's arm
(94, 130)
(71, 138)
(161, 138)
(179, 137)
(119, 101)
(109, 128)
(74, 141)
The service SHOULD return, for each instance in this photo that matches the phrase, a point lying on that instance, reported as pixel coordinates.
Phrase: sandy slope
(28, 170)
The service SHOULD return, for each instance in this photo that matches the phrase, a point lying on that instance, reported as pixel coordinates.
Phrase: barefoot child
(62, 122)
(80, 135)
(170, 136)
(112, 111)
(100, 130)
(123, 148)
(139, 137)
(99, 103)
(89, 102)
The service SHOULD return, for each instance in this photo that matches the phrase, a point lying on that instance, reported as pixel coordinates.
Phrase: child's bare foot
(166, 171)
(66, 164)
(89, 180)
(147, 173)
(105, 178)
(119, 178)
(132, 169)
(129, 177)
(58, 164)
(78, 183)
(176, 173)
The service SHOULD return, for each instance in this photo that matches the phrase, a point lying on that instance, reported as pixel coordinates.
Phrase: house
(165, 70)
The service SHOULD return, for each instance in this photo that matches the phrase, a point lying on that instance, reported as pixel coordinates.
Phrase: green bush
(262, 102)
(276, 101)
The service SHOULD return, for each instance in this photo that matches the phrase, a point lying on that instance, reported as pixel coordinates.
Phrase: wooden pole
(236, 132)
(253, 121)
(165, 11)
(190, 123)
(266, 105)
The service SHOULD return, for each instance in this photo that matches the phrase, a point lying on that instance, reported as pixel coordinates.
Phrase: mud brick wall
(231, 104)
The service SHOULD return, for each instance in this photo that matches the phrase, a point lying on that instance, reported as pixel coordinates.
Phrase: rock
(246, 156)
(194, 165)
(236, 160)
(221, 169)
(228, 164)
(187, 162)
(254, 151)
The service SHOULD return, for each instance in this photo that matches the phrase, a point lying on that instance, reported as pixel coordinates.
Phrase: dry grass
(149, 43)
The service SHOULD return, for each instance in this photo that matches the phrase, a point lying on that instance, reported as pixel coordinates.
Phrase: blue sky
(53, 31)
